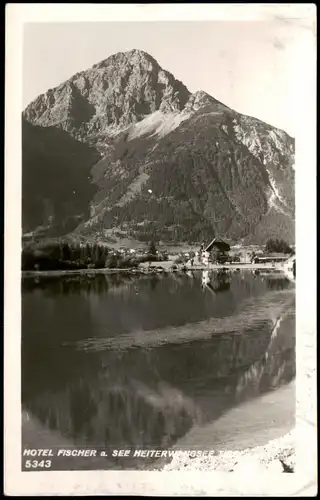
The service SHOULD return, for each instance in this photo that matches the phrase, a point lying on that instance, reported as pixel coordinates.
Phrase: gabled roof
(219, 243)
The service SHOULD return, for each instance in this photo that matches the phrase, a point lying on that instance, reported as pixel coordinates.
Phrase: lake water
(126, 363)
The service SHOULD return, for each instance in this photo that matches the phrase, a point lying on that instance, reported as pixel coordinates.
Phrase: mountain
(56, 188)
(108, 97)
(171, 165)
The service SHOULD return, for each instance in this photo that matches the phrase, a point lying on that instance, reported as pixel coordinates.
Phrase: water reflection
(277, 365)
(153, 394)
(276, 283)
(215, 281)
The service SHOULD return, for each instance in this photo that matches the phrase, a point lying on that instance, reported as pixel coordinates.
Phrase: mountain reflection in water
(138, 361)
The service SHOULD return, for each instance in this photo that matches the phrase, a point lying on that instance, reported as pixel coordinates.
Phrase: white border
(301, 483)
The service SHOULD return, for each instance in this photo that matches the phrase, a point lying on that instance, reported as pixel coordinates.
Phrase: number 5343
(35, 464)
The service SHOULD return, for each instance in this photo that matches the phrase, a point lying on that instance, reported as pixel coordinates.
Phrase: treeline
(66, 256)
(60, 256)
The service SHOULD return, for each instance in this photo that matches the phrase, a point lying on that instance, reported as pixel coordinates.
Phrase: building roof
(218, 243)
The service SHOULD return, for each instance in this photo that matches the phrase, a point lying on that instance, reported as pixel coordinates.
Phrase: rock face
(172, 165)
(111, 95)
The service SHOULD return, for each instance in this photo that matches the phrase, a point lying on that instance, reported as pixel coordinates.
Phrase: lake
(113, 361)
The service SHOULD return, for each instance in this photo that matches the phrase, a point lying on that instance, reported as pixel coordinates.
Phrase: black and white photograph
(158, 246)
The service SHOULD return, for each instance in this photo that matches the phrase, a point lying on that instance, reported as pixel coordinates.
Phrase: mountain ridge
(151, 133)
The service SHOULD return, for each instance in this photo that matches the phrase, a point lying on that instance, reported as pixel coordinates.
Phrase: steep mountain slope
(195, 181)
(56, 188)
(173, 165)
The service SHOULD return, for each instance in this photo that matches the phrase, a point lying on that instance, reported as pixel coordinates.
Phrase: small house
(218, 250)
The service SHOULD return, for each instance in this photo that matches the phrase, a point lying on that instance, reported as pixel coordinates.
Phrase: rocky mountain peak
(200, 100)
(134, 57)
(112, 95)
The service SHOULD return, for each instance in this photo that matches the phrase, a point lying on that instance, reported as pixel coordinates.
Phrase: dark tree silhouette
(278, 246)
(152, 249)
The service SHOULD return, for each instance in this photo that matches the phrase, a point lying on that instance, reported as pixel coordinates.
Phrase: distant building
(269, 258)
(217, 250)
(205, 258)
(290, 265)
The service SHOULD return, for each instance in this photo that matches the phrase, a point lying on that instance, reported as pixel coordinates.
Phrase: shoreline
(165, 267)
(266, 443)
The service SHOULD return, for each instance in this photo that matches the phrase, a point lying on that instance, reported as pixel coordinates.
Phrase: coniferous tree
(152, 249)
(65, 252)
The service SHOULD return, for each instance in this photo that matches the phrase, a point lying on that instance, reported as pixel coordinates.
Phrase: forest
(64, 256)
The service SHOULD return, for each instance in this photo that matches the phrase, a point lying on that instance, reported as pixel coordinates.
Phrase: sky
(248, 65)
